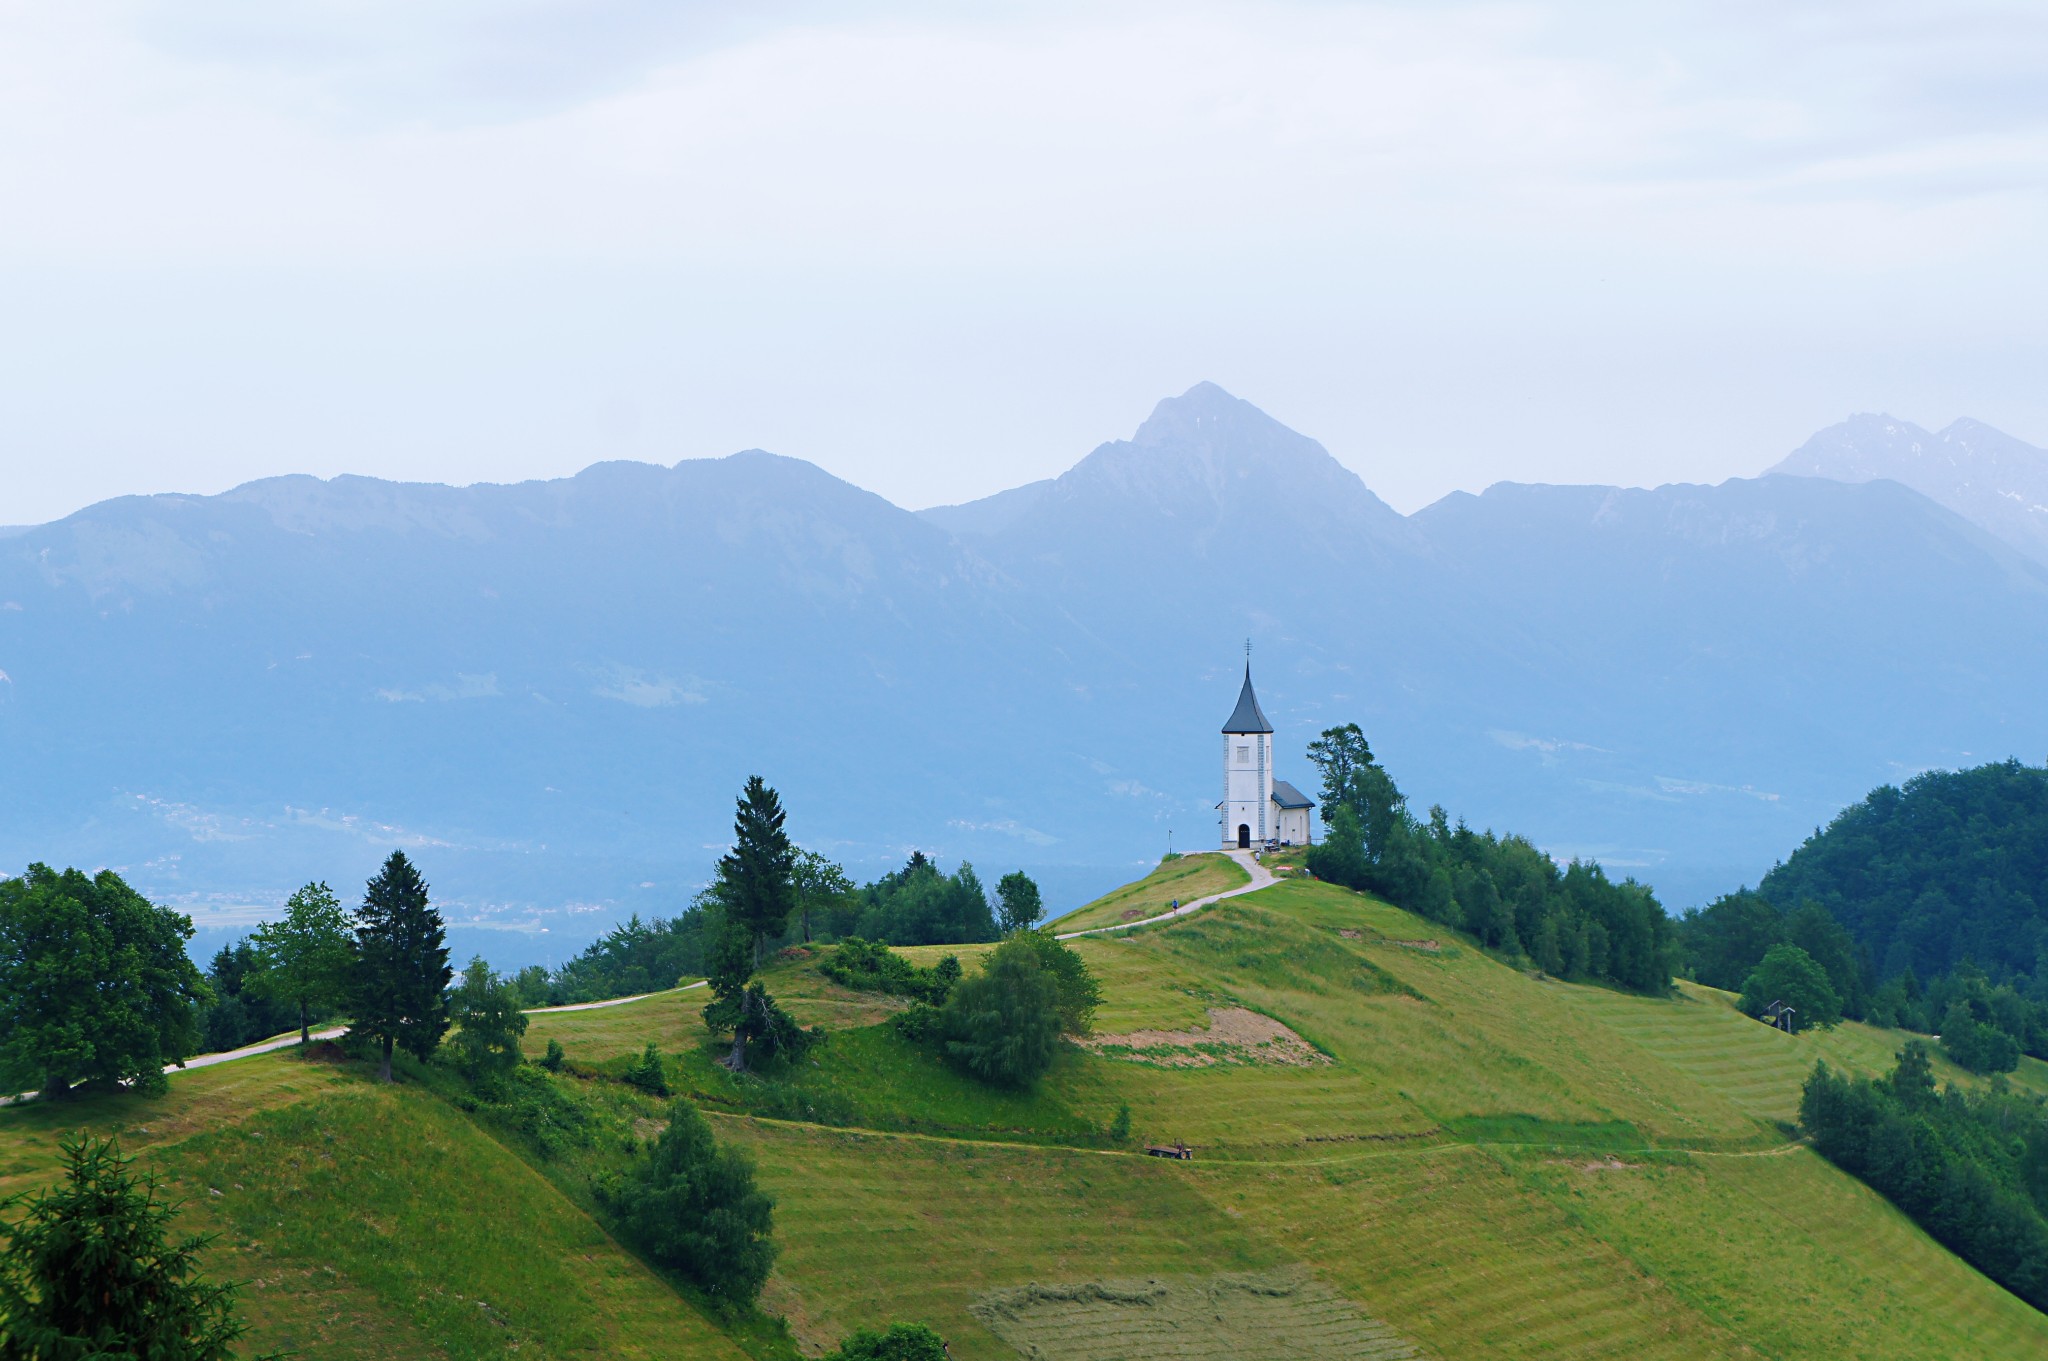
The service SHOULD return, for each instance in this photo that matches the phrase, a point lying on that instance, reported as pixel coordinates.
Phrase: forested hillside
(1951, 866)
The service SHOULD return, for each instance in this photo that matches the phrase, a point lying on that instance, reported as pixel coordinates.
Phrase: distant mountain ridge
(1982, 474)
(551, 690)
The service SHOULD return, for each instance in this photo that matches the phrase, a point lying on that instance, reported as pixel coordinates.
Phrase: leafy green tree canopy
(488, 1023)
(1077, 993)
(1019, 903)
(692, 1206)
(398, 991)
(825, 898)
(307, 954)
(90, 1273)
(95, 984)
(1788, 974)
(1002, 1024)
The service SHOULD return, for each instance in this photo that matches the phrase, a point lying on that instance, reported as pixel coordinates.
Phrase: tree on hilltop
(1020, 905)
(822, 890)
(399, 989)
(95, 984)
(488, 1023)
(1002, 1024)
(757, 877)
(306, 956)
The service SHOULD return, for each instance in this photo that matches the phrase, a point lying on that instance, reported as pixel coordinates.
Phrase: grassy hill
(1453, 1159)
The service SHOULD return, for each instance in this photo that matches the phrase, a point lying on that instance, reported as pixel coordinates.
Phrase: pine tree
(757, 877)
(89, 1271)
(401, 974)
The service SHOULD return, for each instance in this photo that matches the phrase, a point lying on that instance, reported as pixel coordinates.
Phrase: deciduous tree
(1020, 905)
(95, 984)
(1002, 1024)
(1788, 974)
(306, 955)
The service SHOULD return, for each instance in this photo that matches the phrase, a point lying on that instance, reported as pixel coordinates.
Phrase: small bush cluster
(648, 1072)
(870, 966)
(897, 1342)
(1002, 1024)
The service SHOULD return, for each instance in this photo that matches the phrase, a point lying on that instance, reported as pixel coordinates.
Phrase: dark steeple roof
(1247, 717)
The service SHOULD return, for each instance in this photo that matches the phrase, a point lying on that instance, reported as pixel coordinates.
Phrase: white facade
(1294, 825)
(1247, 788)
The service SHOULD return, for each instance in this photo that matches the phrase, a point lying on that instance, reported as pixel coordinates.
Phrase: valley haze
(547, 692)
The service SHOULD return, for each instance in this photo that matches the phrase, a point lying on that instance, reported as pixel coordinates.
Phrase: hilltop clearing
(1480, 1163)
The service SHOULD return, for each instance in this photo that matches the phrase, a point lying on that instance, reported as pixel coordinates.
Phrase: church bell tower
(1247, 771)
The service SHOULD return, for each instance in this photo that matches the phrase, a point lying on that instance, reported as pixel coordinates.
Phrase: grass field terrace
(1479, 1163)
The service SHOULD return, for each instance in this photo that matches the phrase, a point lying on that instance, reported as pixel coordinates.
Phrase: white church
(1257, 808)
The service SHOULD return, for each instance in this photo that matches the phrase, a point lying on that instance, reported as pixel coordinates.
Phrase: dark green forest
(1925, 905)
(1951, 866)
(1572, 922)
(1973, 1170)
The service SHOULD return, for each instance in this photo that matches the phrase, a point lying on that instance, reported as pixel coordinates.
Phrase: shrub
(1079, 993)
(1002, 1024)
(530, 1104)
(1120, 1128)
(899, 1342)
(553, 1059)
(870, 966)
(918, 1022)
(648, 1072)
(692, 1206)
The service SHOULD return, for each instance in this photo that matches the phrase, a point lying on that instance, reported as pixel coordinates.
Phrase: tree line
(1573, 922)
(1971, 1170)
(1923, 908)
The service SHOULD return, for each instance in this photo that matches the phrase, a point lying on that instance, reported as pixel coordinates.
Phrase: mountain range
(550, 691)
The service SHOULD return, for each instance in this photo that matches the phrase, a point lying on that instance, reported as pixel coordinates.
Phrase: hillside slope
(1404, 1147)
(1484, 1163)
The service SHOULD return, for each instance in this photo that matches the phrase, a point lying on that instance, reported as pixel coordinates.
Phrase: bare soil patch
(1264, 1316)
(1234, 1036)
(1427, 946)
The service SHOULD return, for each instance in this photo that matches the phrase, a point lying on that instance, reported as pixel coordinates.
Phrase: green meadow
(1457, 1159)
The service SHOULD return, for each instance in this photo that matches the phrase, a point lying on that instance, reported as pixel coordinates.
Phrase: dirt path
(1261, 878)
(335, 1032)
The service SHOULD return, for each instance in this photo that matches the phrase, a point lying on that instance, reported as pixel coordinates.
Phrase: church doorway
(1244, 836)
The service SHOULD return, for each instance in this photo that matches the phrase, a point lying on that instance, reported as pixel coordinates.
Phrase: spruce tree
(90, 1271)
(399, 995)
(757, 877)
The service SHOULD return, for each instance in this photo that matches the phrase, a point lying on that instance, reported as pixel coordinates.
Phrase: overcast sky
(943, 249)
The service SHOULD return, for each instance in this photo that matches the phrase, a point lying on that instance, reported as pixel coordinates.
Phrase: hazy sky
(944, 249)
